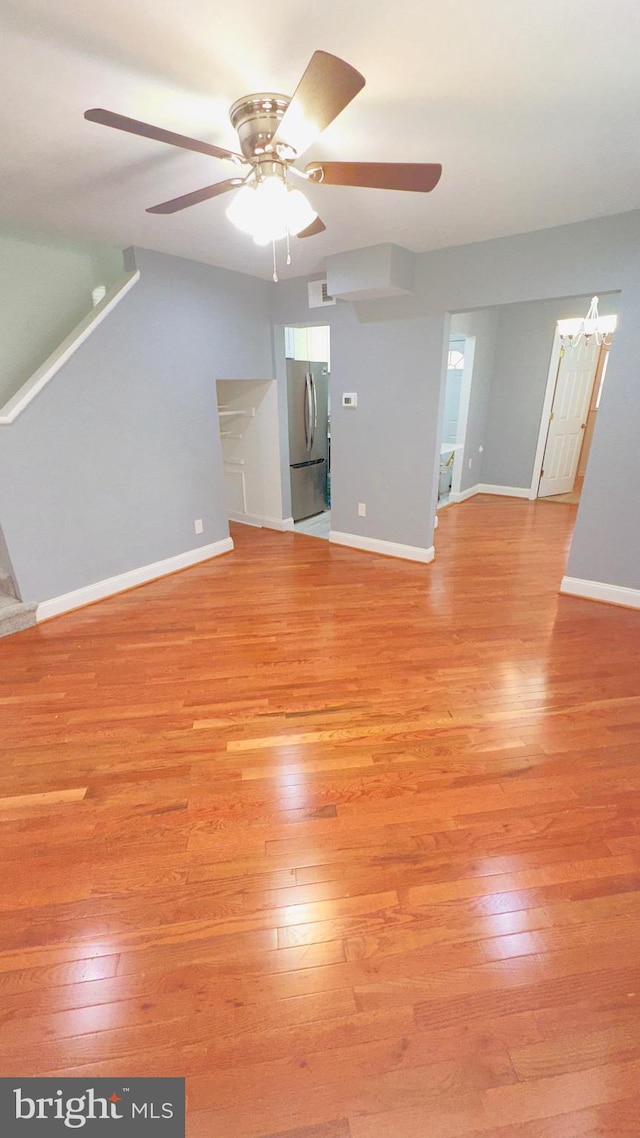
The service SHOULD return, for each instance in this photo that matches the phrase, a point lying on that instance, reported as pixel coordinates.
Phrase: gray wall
(606, 541)
(523, 352)
(109, 466)
(45, 290)
(483, 325)
(394, 427)
(107, 469)
(589, 257)
(382, 452)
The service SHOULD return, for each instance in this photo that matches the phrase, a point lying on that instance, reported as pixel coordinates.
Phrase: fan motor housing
(256, 119)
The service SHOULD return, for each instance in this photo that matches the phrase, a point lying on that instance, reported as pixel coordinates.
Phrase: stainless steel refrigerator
(308, 405)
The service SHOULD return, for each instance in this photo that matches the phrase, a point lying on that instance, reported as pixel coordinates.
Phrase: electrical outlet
(480, 449)
(198, 526)
(362, 509)
(470, 461)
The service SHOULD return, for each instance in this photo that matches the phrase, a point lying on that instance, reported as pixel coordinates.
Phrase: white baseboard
(123, 581)
(260, 521)
(462, 495)
(599, 591)
(386, 548)
(503, 491)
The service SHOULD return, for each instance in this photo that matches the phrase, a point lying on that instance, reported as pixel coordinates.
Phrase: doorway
(457, 395)
(308, 363)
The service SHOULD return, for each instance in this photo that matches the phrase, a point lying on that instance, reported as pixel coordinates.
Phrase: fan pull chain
(288, 249)
(275, 267)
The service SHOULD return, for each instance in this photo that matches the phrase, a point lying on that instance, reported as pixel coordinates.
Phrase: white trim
(599, 591)
(259, 521)
(129, 580)
(486, 488)
(40, 378)
(549, 394)
(503, 491)
(462, 495)
(386, 548)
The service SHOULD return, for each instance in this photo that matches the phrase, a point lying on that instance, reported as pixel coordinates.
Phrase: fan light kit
(270, 209)
(273, 132)
(601, 327)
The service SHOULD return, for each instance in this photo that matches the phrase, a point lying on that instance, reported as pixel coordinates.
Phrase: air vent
(318, 294)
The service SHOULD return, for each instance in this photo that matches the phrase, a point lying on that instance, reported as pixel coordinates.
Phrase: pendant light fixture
(601, 327)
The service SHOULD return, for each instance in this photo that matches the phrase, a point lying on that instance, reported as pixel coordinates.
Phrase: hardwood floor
(350, 842)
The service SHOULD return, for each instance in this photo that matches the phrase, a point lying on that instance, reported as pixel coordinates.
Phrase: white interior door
(568, 418)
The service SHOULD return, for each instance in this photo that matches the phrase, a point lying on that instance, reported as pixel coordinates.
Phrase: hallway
(351, 842)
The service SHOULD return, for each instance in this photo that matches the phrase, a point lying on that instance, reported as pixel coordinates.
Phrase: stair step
(16, 615)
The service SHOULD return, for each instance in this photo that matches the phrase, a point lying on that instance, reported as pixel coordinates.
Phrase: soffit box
(371, 274)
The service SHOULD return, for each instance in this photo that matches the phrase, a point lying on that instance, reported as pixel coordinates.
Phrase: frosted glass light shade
(242, 210)
(300, 212)
(270, 209)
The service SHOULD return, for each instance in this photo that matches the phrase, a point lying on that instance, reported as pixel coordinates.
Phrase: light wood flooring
(352, 843)
(572, 498)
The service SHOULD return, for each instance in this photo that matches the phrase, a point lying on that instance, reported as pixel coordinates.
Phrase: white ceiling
(532, 106)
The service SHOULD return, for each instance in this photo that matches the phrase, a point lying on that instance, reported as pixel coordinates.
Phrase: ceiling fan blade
(197, 196)
(326, 88)
(145, 130)
(419, 177)
(317, 226)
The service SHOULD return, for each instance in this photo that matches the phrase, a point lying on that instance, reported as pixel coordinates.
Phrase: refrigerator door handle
(314, 401)
(306, 412)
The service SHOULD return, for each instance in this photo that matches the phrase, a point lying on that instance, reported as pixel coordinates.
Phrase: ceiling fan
(273, 132)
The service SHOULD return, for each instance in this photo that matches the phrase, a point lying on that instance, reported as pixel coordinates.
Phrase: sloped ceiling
(532, 107)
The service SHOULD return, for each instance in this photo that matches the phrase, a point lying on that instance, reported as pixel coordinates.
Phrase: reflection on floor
(304, 804)
(570, 499)
(317, 526)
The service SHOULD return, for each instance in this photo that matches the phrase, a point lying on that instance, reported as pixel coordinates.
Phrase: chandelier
(573, 330)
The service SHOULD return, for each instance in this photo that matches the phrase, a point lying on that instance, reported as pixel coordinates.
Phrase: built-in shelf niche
(248, 415)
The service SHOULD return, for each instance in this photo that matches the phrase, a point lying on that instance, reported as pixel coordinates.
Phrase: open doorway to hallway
(457, 394)
(514, 384)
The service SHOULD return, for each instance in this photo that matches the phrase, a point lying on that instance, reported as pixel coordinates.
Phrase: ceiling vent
(318, 295)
